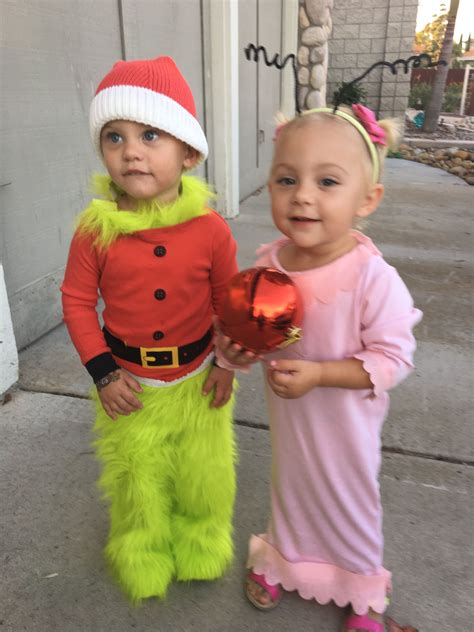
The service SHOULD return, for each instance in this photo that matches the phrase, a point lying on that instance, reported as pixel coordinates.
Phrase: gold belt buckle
(147, 360)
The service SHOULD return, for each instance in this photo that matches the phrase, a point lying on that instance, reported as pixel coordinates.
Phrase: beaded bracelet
(114, 376)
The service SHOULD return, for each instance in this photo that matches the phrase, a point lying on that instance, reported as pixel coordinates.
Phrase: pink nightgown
(324, 537)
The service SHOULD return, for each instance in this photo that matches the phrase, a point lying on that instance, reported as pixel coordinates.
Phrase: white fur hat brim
(133, 103)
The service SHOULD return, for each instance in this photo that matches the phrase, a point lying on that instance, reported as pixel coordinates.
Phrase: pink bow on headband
(367, 118)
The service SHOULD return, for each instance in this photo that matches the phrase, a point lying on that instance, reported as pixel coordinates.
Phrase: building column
(221, 88)
(464, 89)
(289, 45)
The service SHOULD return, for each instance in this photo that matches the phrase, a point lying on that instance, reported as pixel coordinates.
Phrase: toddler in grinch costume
(161, 260)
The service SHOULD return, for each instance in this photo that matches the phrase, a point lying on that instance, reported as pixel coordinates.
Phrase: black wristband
(101, 365)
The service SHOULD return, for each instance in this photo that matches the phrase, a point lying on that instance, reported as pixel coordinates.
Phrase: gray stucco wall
(259, 91)
(52, 55)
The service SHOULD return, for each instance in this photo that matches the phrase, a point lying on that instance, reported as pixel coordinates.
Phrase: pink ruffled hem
(322, 582)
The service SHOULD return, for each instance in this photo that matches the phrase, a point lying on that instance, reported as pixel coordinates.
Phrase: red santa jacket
(160, 288)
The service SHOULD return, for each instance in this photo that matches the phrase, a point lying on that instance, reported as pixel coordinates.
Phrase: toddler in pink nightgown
(327, 394)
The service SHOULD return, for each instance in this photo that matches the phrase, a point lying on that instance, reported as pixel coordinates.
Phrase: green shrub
(452, 97)
(419, 96)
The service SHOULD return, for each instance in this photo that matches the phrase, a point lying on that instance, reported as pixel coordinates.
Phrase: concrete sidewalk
(53, 526)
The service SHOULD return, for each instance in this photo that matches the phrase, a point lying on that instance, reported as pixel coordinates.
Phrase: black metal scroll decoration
(275, 61)
(423, 60)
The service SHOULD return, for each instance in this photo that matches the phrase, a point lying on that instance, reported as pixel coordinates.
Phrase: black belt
(150, 357)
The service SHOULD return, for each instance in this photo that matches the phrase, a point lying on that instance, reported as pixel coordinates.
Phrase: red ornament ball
(262, 310)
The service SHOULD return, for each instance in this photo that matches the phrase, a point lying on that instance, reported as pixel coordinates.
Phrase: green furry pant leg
(204, 489)
(168, 475)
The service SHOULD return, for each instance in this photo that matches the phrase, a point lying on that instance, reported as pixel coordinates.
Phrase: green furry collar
(103, 219)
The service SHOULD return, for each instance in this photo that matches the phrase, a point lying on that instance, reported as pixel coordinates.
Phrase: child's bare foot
(370, 622)
(260, 594)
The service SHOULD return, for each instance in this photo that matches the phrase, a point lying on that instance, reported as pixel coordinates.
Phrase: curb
(424, 143)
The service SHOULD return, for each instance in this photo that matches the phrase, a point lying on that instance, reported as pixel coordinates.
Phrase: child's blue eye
(328, 182)
(150, 134)
(286, 181)
(113, 137)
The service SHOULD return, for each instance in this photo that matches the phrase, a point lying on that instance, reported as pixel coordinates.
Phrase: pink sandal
(275, 592)
(363, 622)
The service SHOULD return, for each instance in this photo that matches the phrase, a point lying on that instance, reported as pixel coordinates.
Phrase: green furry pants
(168, 475)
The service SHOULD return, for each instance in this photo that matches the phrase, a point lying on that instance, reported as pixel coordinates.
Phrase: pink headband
(366, 124)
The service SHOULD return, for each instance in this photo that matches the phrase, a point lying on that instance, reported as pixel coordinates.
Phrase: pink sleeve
(388, 317)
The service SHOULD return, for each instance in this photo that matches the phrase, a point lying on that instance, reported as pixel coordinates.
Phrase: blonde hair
(392, 127)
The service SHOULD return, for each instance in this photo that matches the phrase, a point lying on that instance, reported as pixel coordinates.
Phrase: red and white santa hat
(149, 91)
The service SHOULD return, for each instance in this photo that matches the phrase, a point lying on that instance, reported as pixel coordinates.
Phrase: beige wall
(368, 31)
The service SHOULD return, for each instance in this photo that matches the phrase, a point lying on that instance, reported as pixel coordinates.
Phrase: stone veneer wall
(363, 32)
(315, 24)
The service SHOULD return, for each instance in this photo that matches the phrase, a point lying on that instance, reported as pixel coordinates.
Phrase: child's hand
(292, 378)
(221, 381)
(233, 352)
(117, 398)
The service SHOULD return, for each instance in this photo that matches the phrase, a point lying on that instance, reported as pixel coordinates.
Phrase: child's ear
(191, 158)
(372, 200)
